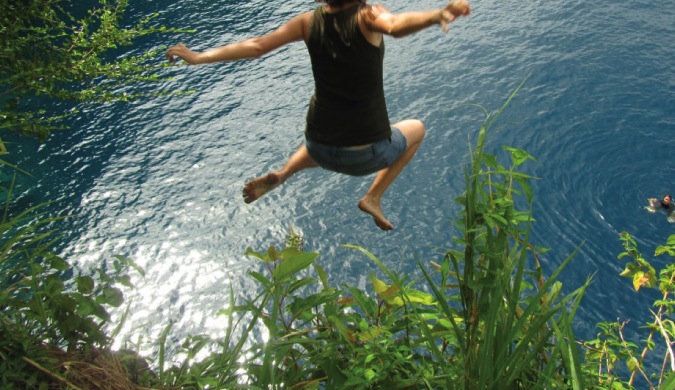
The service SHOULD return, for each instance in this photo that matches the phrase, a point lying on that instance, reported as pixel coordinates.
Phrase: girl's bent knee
(413, 130)
(420, 128)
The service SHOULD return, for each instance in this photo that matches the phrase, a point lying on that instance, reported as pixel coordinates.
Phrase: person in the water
(664, 203)
(347, 125)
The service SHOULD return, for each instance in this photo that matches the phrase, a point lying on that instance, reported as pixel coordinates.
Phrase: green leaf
(298, 284)
(499, 219)
(54, 285)
(629, 271)
(633, 364)
(85, 284)
(111, 296)
(323, 276)
(378, 285)
(251, 253)
(291, 266)
(671, 240)
(58, 263)
(518, 156)
(490, 160)
(125, 280)
(527, 189)
(272, 253)
(260, 278)
(87, 307)
(131, 263)
(420, 297)
(661, 249)
(669, 382)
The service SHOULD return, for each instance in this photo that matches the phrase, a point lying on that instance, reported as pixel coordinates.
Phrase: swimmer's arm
(294, 30)
(378, 19)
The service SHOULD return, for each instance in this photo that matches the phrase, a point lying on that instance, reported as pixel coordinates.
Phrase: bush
(52, 321)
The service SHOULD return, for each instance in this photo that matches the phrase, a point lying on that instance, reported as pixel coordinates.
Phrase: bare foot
(256, 188)
(373, 208)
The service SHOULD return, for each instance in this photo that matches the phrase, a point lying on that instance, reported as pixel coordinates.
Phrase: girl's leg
(413, 130)
(258, 187)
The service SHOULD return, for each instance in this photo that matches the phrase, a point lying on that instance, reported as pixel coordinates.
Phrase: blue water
(160, 180)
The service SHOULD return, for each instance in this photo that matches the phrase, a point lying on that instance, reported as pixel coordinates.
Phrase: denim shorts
(359, 161)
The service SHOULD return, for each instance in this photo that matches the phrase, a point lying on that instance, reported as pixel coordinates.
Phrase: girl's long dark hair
(338, 3)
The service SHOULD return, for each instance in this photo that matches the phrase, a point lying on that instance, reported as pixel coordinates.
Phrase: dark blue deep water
(160, 180)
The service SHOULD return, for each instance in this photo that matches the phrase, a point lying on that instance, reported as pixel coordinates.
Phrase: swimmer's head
(667, 199)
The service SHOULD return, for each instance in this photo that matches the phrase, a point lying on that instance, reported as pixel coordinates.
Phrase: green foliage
(40, 313)
(51, 53)
(642, 273)
(512, 335)
(610, 348)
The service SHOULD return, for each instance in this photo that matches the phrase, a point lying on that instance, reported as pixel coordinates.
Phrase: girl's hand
(181, 51)
(453, 10)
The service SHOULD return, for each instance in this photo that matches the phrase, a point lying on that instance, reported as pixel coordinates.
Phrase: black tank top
(348, 106)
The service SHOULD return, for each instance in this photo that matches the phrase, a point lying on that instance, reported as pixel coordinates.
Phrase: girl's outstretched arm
(379, 19)
(294, 30)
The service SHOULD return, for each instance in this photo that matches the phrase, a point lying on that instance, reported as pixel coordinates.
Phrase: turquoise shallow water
(160, 180)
